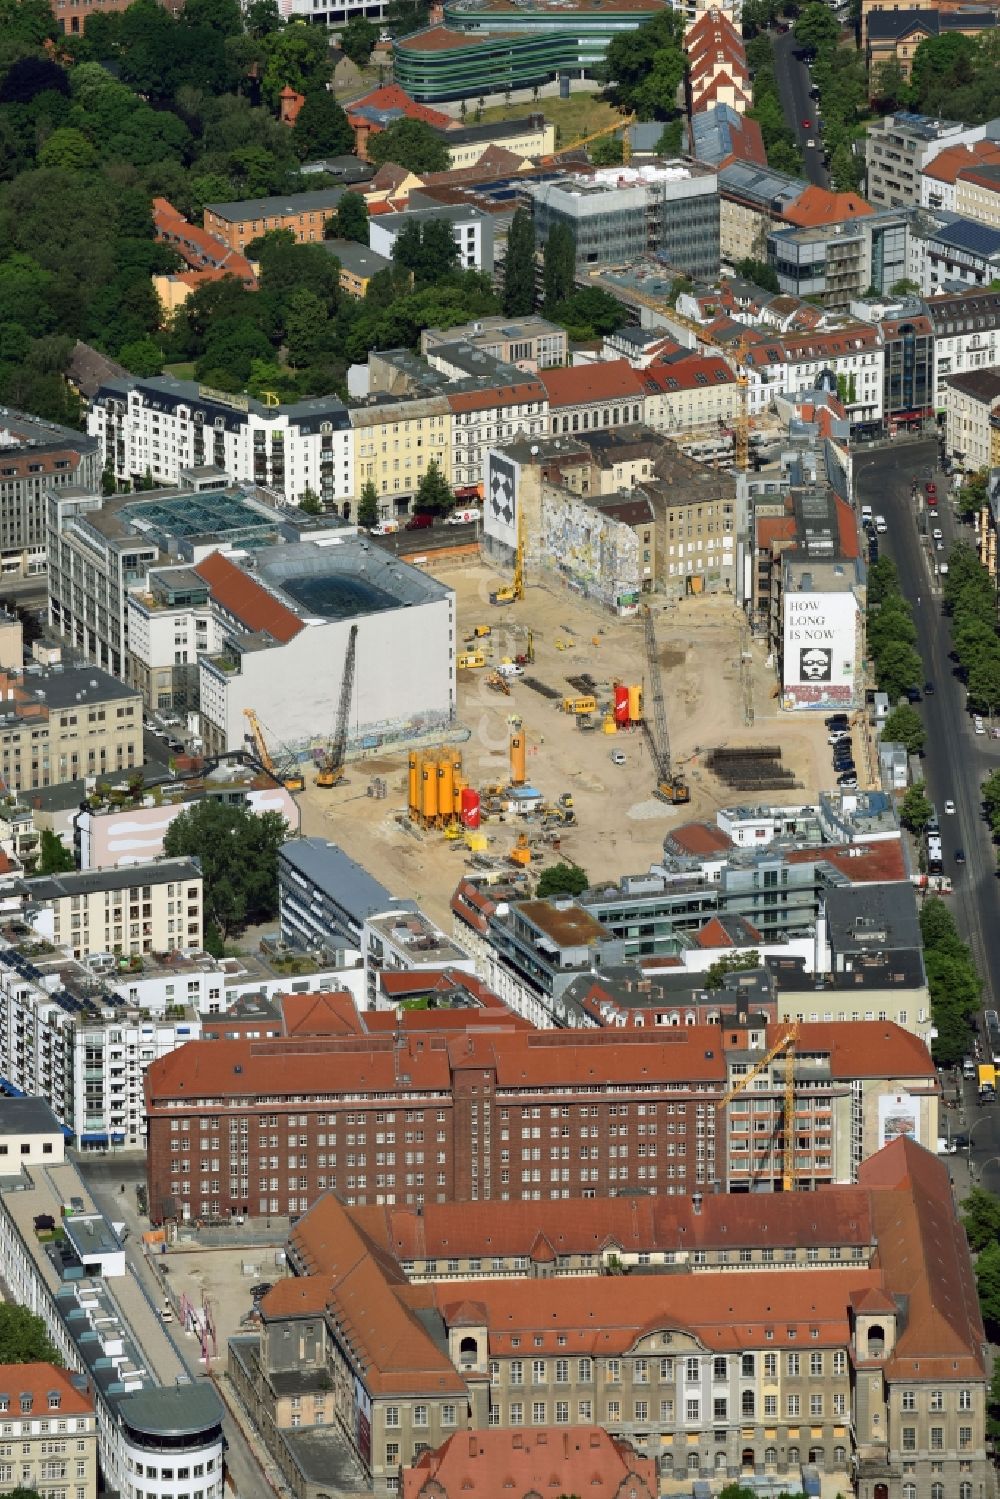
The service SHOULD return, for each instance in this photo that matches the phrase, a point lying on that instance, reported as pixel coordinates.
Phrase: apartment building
(394, 443)
(620, 214)
(155, 1424)
(458, 1118)
(48, 1435)
(841, 1375)
(529, 342)
(900, 150)
(60, 723)
(838, 260)
(165, 427)
(304, 214)
(471, 229)
(358, 264)
(966, 329)
(485, 418)
(168, 625)
(752, 199)
(950, 250)
(971, 403)
(939, 186)
(36, 457)
(693, 396)
(145, 908)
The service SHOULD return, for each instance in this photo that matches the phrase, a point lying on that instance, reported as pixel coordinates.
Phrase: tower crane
(290, 779)
(595, 135)
(784, 1046)
(331, 771)
(669, 786)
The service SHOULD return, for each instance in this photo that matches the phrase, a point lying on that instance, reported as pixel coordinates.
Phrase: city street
(955, 760)
(793, 81)
(105, 1176)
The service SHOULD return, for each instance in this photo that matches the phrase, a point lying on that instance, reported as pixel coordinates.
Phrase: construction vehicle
(785, 1047)
(289, 778)
(596, 135)
(470, 661)
(579, 705)
(498, 683)
(669, 787)
(479, 632)
(520, 853)
(512, 593)
(331, 771)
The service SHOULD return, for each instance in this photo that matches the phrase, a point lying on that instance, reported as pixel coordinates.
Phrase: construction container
(446, 787)
(414, 783)
(608, 724)
(429, 790)
(517, 758)
(470, 807)
(621, 713)
(469, 660)
(635, 704)
(579, 705)
(457, 782)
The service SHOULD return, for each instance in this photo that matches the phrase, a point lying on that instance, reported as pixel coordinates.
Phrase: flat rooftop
(350, 578)
(27, 1116)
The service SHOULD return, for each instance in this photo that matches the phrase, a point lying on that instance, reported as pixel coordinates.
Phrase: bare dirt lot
(620, 825)
(221, 1279)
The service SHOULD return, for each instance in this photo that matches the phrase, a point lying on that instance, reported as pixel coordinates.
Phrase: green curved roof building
(488, 46)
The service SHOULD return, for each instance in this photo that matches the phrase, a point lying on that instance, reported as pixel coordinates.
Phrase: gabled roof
(499, 1463)
(953, 160)
(819, 206)
(243, 597)
(608, 380)
(384, 105)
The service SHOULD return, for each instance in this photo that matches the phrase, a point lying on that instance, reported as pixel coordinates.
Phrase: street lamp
(983, 1119)
(988, 1162)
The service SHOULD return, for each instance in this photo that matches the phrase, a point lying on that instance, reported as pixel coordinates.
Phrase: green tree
(891, 88)
(69, 149)
(981, 1218)
(589, 312)
(306, 326)
(905, 726)
(519, 266)
(23, 1338)
(143, 356)
(427, 250)
(607, 152)
(816, 28)
(988, 1286)
(434, 495)
(898, 667)
(993, 1403)
(561, 879)
(262, 18)
(349, 220)
(368, 505)
(311, 502)
(238, 854)
(644, 68)
(915, 808)
(671, 138)
(357, 40)
(760, 273)
(297, 56)
(405, 16)
(941, 65)
(54, 856)
(558, 264)
(321, 127)
(744, 962)
(412, 144)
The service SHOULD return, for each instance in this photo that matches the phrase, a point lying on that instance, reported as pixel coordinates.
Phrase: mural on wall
(594, 553)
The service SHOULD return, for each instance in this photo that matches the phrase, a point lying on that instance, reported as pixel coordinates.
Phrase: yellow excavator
(288, 777)
(512, 593)
(331, 771)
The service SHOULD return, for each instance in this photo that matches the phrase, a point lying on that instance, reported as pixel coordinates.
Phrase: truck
(987, 1082)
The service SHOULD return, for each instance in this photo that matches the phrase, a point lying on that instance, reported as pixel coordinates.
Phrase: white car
(618, 757)
(949, 807)
(880, 525)
(978, 725)
(938, 534)
(811, 143)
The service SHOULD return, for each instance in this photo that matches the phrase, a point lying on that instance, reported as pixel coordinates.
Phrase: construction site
(563, 748)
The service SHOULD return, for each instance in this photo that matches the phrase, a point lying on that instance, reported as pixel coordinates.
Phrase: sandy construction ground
(620, 825)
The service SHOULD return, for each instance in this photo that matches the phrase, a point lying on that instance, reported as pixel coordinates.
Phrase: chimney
(696, 1200)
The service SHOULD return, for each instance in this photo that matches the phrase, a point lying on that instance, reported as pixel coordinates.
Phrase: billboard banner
(503, 477)
(898, 1117)
(820, 638)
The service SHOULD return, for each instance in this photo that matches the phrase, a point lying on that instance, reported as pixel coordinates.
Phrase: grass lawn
(183, 371)
(573, 117)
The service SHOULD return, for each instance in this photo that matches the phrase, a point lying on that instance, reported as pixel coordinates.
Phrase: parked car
(960, 856)
(837, 737)
(928, 689)
(978, 725)
(848, 781)
(930, 488)
(880, 525)
(938, 534)
(837, 721)
(912, 694)
(618, 757)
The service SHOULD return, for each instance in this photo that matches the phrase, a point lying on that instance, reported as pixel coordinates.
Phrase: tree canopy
(955, 987)
(645, 68)
(23, 1338)
(409, 143)
(561, 879)
(238, 853)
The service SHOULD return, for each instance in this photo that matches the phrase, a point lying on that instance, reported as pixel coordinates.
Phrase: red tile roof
(512, 1464)
(607, 380)
(37, 1380)
(391, 96)
(863, 863)
(953, 160)
(320, 1014)
(847, 529)
(700, 838)
(816, 205)
(496, 395)
(199, 248)
(244, 598)
(699, 371)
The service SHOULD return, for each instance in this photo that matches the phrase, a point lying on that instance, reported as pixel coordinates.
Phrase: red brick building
(265, 1127)
(506, 1465)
